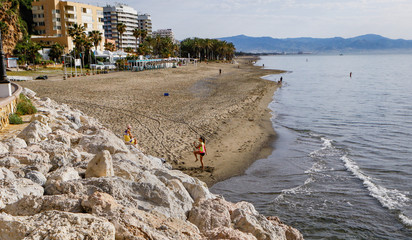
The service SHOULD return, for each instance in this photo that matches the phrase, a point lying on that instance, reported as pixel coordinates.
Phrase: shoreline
(230, 109)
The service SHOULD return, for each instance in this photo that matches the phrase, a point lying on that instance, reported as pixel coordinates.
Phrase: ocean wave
(392, 199)
(326, 150)
(405, 220)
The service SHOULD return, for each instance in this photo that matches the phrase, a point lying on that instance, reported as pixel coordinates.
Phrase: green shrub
(15, 119)
(24, 106)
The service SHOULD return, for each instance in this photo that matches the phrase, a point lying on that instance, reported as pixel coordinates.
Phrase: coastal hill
(369, 42)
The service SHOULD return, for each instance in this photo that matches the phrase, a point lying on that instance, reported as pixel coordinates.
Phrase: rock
(41, 118)
(149, 193)
(35, 132)
(102, 140)
(196, 188)
(36, 177)
(28, 92)
(207, 215)
(127, 169)
(100, 166)
(63, 175)
(58, 153)
(6, 174)
(32, 205)
(9, 162)
(15, 143)
(290, 232)
(55, 225)
(219, 219)
(12, 190)
(131, 223)
(246, 219)
(228, 233)
(4, 148)
(33, 156)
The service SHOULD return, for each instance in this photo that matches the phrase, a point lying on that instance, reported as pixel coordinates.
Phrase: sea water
(342, 164)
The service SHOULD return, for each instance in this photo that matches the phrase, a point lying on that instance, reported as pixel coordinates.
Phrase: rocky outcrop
(68, 177)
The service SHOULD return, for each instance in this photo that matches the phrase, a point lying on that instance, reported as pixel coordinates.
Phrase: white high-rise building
(145, 23)
(114, 15)
(164, 33)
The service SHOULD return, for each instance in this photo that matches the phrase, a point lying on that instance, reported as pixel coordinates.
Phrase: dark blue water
(342, 164)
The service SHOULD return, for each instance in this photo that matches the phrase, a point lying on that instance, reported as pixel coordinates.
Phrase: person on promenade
(200, 149)
(128, 137)
(220, 71)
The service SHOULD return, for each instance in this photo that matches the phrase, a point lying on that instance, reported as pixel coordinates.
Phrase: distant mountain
(369, 42)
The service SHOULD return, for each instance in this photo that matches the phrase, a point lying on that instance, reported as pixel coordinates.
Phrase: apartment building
(164, 33)
(52, 18)
(114, 15)
(145, 23)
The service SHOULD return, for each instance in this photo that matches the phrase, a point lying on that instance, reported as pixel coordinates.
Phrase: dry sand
(230, 110)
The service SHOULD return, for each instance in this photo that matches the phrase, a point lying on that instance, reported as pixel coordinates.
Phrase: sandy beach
(229, 110)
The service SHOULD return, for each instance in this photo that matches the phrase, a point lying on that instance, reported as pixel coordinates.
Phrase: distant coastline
(364, 43)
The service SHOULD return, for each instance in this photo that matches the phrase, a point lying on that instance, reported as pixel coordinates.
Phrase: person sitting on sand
(201, 150)
(128, 137)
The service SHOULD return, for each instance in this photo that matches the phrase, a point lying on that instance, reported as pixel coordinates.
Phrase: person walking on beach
(200, 150)
(128, 137)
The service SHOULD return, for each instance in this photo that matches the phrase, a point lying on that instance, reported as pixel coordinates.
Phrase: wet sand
(229, 110)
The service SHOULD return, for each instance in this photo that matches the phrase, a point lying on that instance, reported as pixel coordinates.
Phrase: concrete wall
(8, 105)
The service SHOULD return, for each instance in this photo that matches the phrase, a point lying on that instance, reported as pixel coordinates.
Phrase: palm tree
(96, 37)
(75, 30)
(109, 46)
(143, 34)
(121, 28)
(137, 33)
(56, 51)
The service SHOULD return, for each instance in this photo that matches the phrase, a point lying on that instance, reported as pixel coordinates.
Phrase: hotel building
(114, 15)
(52, 18)
(164, 33)
(145, 23)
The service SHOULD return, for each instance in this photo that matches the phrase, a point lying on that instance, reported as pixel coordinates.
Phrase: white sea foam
(389, 198)
(326, 146)
(327, 143)
(405, 220)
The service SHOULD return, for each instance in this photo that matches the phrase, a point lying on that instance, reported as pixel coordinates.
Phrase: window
(41, 24)
(58, 19)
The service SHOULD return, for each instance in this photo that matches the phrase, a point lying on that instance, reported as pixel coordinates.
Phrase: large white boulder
(12, 190)
(35, 132)
(55, 225)
(131, 223)
(102, 140)
(100, 166)
(63, 175)
(32, 205)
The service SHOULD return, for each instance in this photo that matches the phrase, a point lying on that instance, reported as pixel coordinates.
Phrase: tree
(109, 46)
(121, 28)
(143, 34)
(27, 51)
(212, 49)
(137, 33)
(128, 49)
(96, 37)
(56, 51)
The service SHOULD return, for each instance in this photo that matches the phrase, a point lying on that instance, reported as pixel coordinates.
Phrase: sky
(276, 18)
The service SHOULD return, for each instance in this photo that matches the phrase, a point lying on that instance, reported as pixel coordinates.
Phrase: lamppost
(5, 86)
